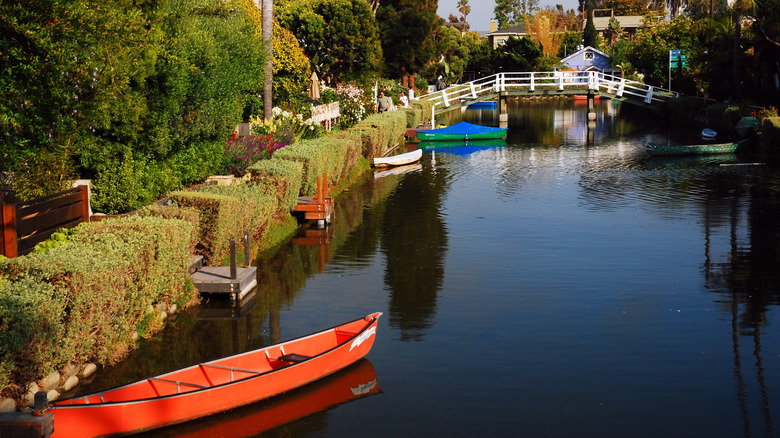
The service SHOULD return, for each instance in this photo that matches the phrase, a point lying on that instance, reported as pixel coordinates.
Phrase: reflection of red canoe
(350, 384)
(584, 97)
(215, 386)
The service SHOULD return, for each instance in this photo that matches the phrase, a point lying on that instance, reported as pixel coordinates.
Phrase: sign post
(676, 60)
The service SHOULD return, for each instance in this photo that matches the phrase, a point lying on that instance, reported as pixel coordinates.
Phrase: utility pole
(268, 26)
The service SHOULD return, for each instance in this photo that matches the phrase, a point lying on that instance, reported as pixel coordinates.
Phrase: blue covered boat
(462, 131)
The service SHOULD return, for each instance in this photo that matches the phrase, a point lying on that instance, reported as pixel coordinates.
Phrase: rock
(51, 381)
(70, 383)
(88, 370)
(29, 398)
(7, 405)
(173, 308)
(70, 370)
(52, 395)
(134, 336)
(162, 307)
(163, 315)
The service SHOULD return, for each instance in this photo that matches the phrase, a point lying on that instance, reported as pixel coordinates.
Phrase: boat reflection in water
(352, 383)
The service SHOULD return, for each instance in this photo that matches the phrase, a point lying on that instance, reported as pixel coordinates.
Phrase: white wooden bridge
(550, 83)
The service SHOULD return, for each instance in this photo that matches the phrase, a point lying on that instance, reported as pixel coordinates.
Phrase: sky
(482, 10)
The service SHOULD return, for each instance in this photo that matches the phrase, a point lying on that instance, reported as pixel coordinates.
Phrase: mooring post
(325, 184)
(319, 190)
(233, 265)
(247, 257)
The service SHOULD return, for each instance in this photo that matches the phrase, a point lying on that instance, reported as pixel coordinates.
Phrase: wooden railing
(25, 224)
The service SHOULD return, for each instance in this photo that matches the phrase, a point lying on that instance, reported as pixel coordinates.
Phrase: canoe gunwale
(84, 403)
(658, 149)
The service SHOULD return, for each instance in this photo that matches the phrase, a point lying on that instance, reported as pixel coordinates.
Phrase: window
(589, 56)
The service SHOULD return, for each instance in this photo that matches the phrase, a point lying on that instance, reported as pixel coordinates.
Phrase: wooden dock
(318, 207)
(233, 280)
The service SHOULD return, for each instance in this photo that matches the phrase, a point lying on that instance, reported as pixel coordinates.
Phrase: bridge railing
(544, 82)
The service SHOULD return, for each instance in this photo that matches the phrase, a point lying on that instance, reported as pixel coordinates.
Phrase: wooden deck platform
(318, 207)
(217, 280)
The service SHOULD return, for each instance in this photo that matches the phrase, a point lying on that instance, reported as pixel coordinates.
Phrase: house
(628, 23)
(498, 37)
(587, 58)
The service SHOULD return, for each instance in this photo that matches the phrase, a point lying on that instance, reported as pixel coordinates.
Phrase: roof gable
(583, 50)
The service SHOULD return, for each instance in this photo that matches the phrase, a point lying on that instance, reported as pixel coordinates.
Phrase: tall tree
(408, 29)
(513, 12)
(268, 32)
(340, 37)
(589, 35)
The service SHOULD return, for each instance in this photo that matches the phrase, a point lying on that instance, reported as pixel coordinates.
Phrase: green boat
(462, 131)
(444, 144)
(697, 149)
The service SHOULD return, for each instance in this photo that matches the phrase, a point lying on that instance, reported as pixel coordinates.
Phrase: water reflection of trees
(739, 209)
(415, 263)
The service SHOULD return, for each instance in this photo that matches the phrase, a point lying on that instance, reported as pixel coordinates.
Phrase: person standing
(383, 103)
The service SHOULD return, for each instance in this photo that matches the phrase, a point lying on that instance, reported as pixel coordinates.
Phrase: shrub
(280, 178)
(321, 156)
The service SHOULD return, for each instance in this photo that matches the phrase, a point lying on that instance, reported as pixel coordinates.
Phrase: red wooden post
(325, 184)
(84, 203)
(319, 190)
(9, 230)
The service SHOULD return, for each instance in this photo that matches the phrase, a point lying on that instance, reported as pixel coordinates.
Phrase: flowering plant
(242, 152)
(354, 105)
(286, 126)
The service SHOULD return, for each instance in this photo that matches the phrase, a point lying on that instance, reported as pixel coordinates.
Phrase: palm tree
(268, 25)
(740, 7)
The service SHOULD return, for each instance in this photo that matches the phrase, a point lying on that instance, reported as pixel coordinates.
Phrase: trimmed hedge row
(82, 301)
(770, 133)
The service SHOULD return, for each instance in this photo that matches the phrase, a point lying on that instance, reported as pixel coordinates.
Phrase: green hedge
(225, 212)
(770, 134)
(425, 109)
(81, 301)
(281, 178)
(413, 117)
(319, 156)
(391, 126)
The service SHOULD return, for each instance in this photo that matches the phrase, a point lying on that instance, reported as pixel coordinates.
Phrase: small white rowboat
(399, 160)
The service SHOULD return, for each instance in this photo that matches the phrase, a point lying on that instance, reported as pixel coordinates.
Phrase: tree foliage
(340, 37)
(513, 12)
(589, 35)
(408, 29)
(138, 96)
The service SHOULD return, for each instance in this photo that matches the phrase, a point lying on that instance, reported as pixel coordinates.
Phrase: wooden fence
(25, 224)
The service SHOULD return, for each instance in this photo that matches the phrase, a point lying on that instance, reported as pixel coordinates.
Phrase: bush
(282, 179)
(84, 299)
(770, 133)
(321, 156)
(225, 213)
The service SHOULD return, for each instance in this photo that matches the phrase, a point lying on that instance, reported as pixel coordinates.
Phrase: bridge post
(560, 80)
(533, 86)
(444, 98)
(649, 96)
(473, 90)
(621, 87)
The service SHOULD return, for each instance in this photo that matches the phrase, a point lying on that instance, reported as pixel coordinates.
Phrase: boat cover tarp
(463, 128)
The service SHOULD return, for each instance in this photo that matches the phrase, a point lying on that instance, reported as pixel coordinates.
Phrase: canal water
(564, 284)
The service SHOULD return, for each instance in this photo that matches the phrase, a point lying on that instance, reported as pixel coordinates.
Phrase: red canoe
(215, 386)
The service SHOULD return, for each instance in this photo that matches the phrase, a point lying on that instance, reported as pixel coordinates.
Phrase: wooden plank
(9, 230)
(49, 219)
(27, 243)
(43, 204)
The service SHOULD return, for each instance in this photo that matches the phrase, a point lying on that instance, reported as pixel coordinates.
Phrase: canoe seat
(294, 358)
(178, 383)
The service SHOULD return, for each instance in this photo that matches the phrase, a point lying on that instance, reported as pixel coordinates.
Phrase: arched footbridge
(553, 83)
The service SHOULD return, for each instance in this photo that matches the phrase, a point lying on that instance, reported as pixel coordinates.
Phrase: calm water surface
(563, 285)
